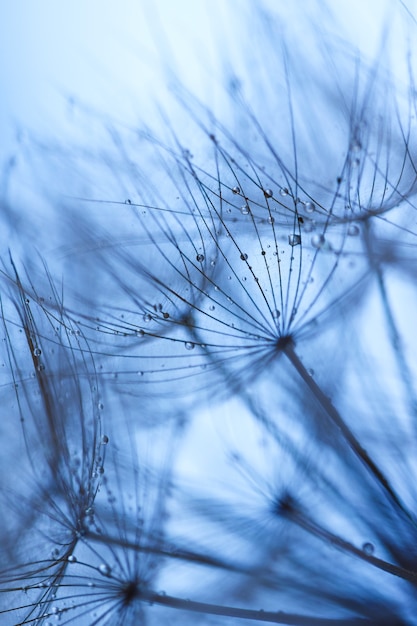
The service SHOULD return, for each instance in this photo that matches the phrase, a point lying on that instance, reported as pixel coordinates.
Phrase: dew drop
(236, 190)
(271, 220)
(189, 345)
(200, 258)
(212, 307)
(100, 406)
(368, 548)
(140, 333)
(244, 256)
(318, 241)
(353, 230)
(104, 440)
(104, 569)
(284, 191)
(37, 352)
(245, 210)
(268, 193)
(147, 317)
(72, 559)
(276, 314)
(165, 315)
(310, 207)
(294, 240)
(310, 372)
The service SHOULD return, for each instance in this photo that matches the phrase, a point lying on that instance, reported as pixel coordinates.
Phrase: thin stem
(278, 617)
(403, 368)
(337, 419)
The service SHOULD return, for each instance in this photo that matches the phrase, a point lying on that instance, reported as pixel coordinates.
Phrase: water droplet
(276, 314)
(104, 440)
(140, 373)
(353, 230)
(100, 406)
(271, 219)
(212, 307)
(236, 190)
(104, 569)
(310, 372)
(189, 345)
(310, 207)
(294, 240)
(165, 315)
(245, 210)
(200, 258)
(55, 610)
(72, 559)
(368, 548)
(244, 256)
(41, 367)
(268, 193)
(318, 241)
(213, 263)
(140, 333)
(284, 191)
(100, 469)
(37, 351)
(147, 317)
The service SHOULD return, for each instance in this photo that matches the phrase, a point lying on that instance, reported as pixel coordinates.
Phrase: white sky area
(109, 55)
(102, 53)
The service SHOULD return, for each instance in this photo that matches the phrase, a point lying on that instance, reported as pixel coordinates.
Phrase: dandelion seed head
(309, 463)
